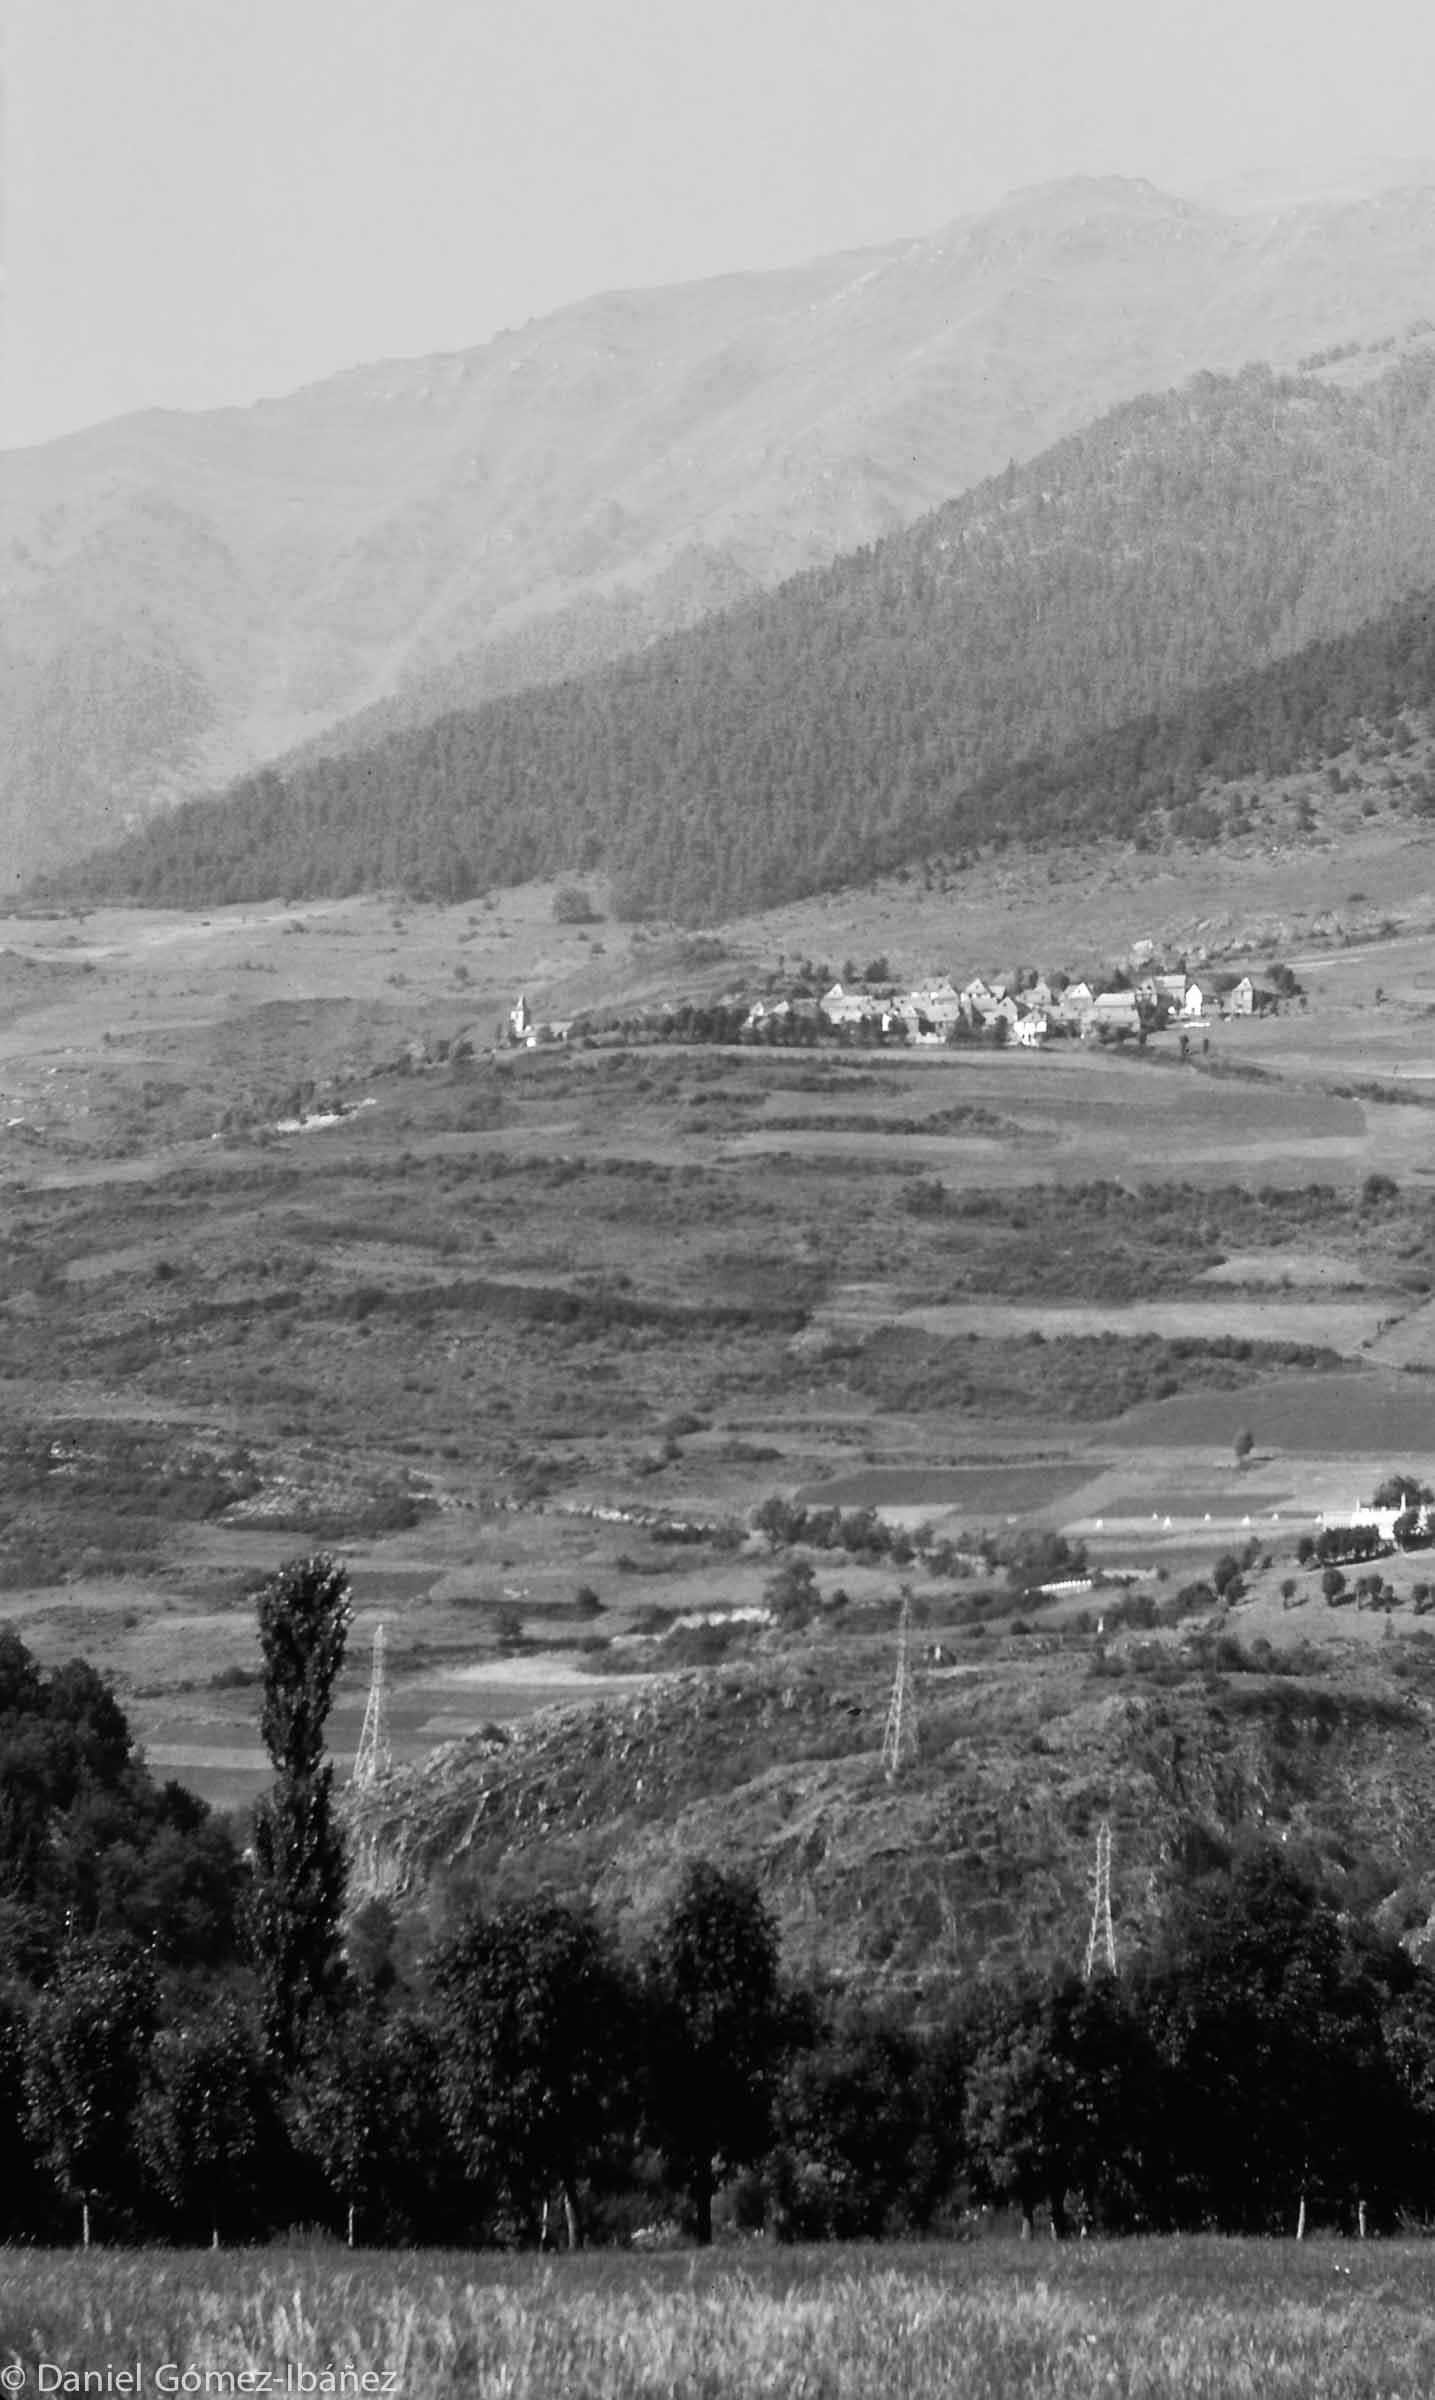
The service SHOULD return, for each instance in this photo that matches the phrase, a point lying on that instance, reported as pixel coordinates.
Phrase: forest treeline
(923, 694)
(198, 2043)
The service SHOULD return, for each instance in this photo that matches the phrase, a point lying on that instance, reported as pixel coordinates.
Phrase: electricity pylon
(1101, 1941)
(369, 1874)
(372, 1759)
(899, 1742)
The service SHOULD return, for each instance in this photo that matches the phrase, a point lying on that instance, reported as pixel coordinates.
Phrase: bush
(573, 906)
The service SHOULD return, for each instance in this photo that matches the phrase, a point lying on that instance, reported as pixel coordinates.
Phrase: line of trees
(531, 2081)
(526, 2074)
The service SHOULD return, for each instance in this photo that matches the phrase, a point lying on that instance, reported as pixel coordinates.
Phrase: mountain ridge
(930, 692)
(189, 595)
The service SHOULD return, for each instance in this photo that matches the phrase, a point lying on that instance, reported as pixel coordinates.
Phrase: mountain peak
(1067, 199)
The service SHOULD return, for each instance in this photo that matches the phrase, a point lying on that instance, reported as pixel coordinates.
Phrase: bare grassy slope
(189, 594)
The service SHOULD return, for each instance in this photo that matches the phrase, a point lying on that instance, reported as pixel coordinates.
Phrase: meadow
(1200, 2319)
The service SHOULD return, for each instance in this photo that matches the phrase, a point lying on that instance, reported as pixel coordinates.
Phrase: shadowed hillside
(188, 595)
(848, 720)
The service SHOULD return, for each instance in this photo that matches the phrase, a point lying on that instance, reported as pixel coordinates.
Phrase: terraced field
(484, 1295)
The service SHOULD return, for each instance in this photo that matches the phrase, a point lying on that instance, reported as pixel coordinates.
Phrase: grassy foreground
(1172, 2320)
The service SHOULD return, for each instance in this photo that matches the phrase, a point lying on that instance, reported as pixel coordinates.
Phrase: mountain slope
(876, 708)
(187, 595)
(978, 1857)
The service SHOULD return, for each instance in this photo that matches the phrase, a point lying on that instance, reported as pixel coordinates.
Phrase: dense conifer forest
(1068, 649)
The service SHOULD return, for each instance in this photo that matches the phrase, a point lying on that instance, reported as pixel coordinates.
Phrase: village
(1028, 1009)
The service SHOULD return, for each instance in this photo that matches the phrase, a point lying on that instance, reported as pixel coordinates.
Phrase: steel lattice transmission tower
(371, 1872)
(899, 1742)
(372, 1758)
(1101, 1941)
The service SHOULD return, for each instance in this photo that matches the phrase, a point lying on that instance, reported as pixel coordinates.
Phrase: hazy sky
(212, 199)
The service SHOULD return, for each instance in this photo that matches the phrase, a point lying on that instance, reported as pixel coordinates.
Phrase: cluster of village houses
(1031, 1011)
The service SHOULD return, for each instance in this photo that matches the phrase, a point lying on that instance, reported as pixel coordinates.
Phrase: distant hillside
(924, 693)
(978, 1859)
(187, 596)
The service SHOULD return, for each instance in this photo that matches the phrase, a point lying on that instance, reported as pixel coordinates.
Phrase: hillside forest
(199, 2043)
(1192, 586)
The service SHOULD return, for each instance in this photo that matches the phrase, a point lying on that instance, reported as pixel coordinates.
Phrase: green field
(1194, 2320)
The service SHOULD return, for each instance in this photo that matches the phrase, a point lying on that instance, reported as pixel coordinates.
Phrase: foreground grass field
(1152, 2320)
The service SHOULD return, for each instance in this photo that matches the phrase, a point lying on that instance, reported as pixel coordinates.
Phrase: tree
(24, 2194)
(85, 2060)
(792, 1594)
(357, 2114)
(717, 2032)
(1332, 1583)
(87, 1839)
(296, 1889)
(779, 1521)
(1402, 1491)
(204, 2118)
(1267, 2019)
(1059, 2100)
(1243, 1445)
(851, 2161)
(534, 2016)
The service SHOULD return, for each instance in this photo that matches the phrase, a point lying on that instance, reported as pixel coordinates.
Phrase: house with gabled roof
(938, 1000)
(1119, 1010)
(850, 1004)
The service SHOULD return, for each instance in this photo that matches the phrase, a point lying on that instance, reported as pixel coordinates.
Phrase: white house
(1032, 1029)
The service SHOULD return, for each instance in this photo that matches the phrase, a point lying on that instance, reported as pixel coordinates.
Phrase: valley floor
(493, 1327)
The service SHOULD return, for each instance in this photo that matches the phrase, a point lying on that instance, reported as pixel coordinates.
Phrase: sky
(211, 200)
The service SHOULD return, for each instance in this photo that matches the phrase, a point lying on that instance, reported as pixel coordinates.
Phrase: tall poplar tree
(296, 1893)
